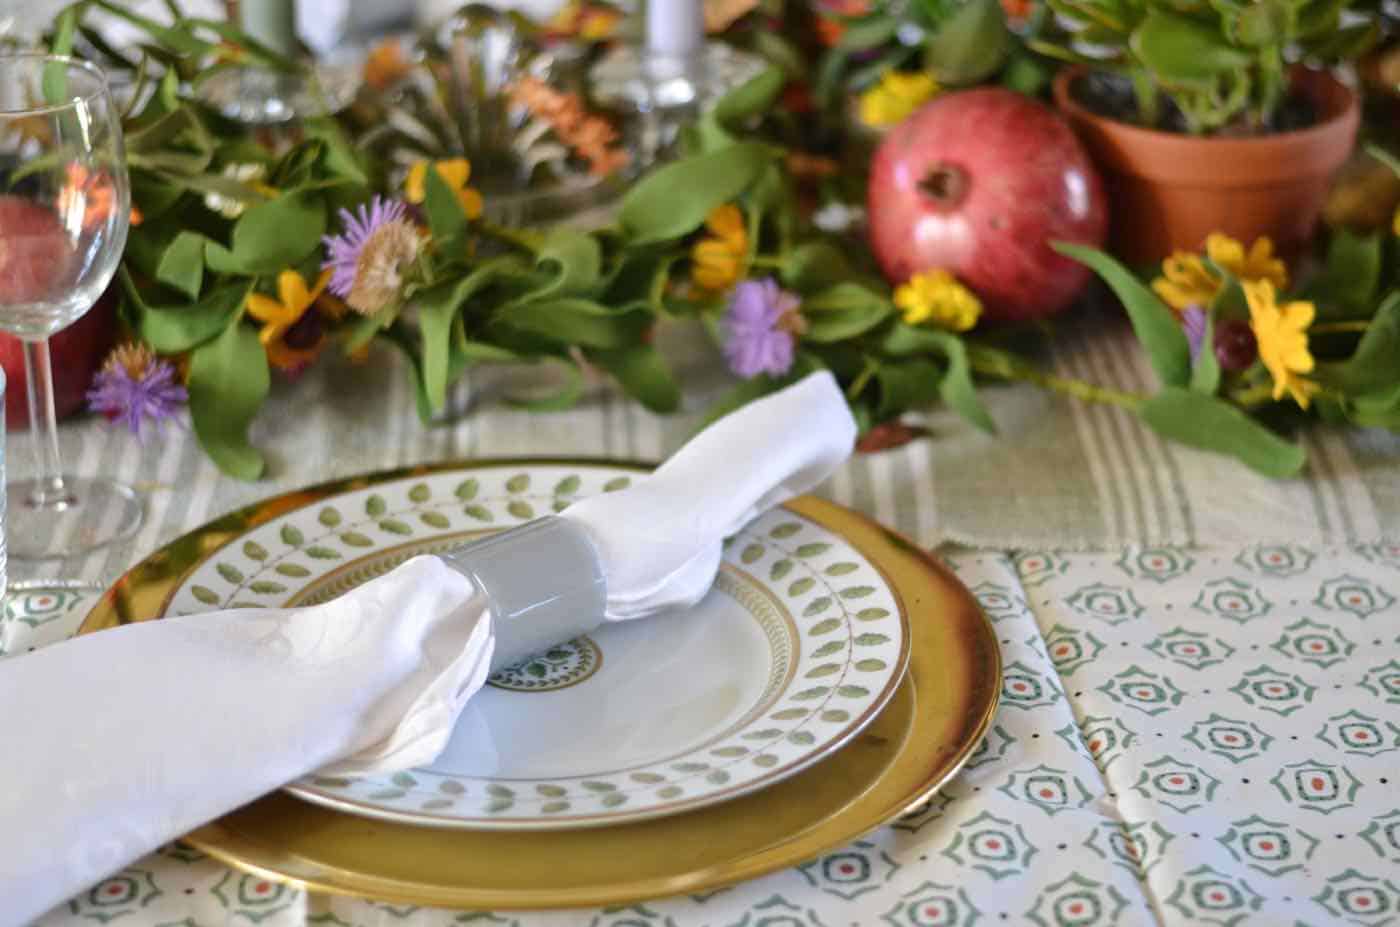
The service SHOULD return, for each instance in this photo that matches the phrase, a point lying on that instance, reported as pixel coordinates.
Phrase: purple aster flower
(369, 258)
(1193, 322)
(760, 328)
(134, 386)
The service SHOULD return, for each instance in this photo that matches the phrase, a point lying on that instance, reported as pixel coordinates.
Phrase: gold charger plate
(897, 764)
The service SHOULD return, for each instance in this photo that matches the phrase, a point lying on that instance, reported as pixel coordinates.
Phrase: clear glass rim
(103, 88)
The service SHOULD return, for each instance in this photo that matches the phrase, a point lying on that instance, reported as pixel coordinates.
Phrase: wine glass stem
(49, 489)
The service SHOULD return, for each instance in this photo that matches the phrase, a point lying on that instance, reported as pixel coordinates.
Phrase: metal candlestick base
(257, 96)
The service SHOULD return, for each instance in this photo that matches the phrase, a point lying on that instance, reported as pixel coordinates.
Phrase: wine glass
(65, 206)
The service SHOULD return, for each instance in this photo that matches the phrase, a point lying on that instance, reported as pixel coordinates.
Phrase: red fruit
(76, 352)
(1235, 347)
(34, 251)
(979, 183)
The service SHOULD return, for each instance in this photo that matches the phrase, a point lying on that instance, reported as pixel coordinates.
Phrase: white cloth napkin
(120, 741)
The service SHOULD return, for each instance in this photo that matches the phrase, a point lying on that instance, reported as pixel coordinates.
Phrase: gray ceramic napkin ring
(543, 583)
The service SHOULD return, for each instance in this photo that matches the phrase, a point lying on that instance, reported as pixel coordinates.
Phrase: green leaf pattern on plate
(812, 573)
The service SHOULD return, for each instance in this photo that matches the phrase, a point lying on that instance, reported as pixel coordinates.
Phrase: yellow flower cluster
(896, 96)
(1187, 281)
(936, 296)
(1280, 330)
(717, 261)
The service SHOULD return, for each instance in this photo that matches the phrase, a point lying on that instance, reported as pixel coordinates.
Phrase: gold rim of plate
(894, 767)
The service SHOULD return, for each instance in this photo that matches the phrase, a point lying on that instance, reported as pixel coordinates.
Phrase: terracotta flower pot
(1168, 191)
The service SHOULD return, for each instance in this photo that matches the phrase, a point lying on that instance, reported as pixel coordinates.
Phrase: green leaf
(1179, 49)
(1154, 324)
(643, 373)
(674, 200)
(228, 382)
(905, 385)
(577, 260)
(182, 264)
(843, 312)
(173, 329)
(339, 154)
(1211, 424)
(1347, 286)
(1205, 372)
(581, 322)
(813, 265)
(278, 233)
(956, 387)
(868, 33)
(970, 46)
(750, 98)
(1375, 364)
(441, 205)
(1260, 24)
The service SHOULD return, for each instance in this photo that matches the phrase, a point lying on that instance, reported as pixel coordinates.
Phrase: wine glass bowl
(65, 206)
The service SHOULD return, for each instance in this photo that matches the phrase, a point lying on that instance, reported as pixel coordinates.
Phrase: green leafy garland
(477, 293)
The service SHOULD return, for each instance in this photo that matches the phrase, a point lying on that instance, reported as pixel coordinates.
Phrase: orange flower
(89, 191)
(589, 136)
(717, 262)
(1017, 10)
(386, 64)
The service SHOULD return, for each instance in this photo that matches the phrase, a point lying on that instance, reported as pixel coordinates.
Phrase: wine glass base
(95, 513)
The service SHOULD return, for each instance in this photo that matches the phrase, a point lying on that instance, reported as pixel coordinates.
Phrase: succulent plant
(1223, 64)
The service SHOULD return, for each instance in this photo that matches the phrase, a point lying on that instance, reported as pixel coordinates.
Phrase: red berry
(1235, 347)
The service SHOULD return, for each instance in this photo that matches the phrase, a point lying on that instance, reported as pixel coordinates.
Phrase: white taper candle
(675, 27)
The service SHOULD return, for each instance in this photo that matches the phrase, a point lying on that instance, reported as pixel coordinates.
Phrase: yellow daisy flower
(896, 96)
(936, 296)
(1259, 263)
(717, 261)
(455, 172)
(1282, 335)
(1186, 280)
(280, 314)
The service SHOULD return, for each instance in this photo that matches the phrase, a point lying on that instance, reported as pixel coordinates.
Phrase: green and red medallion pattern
(1186, 737)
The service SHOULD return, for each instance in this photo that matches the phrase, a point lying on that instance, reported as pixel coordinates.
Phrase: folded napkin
(120, 741)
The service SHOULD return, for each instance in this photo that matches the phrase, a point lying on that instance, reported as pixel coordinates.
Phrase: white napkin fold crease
(121, 741)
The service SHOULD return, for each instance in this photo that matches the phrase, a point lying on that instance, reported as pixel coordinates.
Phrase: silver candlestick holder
(654, 94)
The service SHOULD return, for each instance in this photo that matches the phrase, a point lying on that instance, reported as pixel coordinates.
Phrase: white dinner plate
(798, 646)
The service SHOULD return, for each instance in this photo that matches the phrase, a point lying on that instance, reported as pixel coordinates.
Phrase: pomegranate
(979, 183)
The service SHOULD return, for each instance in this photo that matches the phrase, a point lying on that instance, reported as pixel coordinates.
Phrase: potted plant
(1209, 117)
